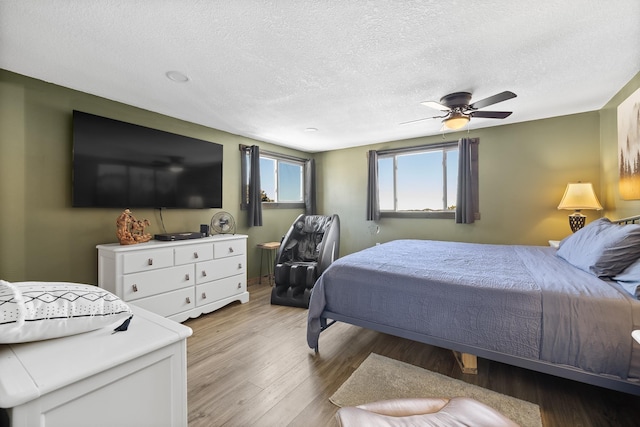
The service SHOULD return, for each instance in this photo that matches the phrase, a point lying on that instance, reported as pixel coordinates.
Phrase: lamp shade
(579, 195)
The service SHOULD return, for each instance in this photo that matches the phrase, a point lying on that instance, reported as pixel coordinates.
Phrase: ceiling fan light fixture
(456, 121)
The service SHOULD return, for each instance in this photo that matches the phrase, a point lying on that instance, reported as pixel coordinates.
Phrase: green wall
(524, 169)
(42, 236)
(615, 207)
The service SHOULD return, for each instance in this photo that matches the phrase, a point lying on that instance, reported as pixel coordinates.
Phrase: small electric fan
(223, 223)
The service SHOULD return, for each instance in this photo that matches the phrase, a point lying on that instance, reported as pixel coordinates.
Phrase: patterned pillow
(32, 311)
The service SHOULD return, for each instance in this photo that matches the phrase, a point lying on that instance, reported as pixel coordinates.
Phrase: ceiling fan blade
(503, 96)
(491, 114)
(421, 120)
(435, 105)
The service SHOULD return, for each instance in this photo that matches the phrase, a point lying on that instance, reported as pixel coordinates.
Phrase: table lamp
(578, 196)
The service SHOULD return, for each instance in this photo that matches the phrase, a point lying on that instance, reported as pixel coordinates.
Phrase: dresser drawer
(140, 285)
(220, 268)
(147, 260)
(219, 289)
(228, 248)
(168, 303)
(193, 253)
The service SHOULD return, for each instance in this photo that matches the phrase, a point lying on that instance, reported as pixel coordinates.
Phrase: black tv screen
(122, 165)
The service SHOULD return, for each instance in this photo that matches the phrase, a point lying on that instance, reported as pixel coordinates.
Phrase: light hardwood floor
(249, 365)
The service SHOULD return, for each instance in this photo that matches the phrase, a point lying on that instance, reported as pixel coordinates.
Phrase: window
(282, 180)
(419, 181)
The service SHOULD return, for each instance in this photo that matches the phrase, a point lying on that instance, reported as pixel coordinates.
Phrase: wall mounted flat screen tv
(122, 165)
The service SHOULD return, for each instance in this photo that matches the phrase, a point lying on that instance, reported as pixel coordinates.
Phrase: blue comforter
(517, 300)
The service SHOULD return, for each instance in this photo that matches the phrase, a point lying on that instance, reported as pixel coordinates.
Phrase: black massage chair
(309, 247)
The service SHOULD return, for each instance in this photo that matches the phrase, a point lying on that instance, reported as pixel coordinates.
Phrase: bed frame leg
(468, 362)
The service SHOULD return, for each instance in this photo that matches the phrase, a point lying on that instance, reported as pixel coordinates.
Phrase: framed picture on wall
(629, 147)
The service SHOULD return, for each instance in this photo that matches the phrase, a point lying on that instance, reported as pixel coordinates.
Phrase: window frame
(277, 157)
(394, 153)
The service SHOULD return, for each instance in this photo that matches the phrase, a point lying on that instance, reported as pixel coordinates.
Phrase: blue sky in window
(290, 180)
(268, 176)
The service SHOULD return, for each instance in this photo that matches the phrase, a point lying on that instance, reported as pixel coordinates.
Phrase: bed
(566, 312)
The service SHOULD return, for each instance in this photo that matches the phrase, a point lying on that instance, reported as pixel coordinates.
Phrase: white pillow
(32, 311)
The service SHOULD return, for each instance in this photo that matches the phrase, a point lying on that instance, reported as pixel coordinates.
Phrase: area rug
(381, 378)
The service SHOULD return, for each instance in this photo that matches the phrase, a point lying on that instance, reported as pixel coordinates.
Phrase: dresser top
(155, 244)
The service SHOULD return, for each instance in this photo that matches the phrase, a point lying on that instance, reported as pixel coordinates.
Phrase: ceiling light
(456, 120)
(177, 76)
(311, 130)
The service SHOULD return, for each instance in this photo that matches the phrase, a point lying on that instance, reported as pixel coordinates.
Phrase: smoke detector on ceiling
(177, 76)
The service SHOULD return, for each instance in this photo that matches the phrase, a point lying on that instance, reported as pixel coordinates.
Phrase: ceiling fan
(459, 111)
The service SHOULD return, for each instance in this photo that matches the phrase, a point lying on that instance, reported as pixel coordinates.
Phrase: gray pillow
(629, 279)
(602, 248)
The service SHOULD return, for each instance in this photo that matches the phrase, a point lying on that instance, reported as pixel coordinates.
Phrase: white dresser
(134, 378)
(179, 279)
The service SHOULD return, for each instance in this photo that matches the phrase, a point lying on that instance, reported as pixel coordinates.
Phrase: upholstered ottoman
(458, 411)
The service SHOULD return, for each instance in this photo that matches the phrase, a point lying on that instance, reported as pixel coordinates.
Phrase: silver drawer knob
(239, 285)
(195, 254)
(188, 300)
(239, 266)
(230, 250)
(134, 287)
(186, 276)
(150, 261)
(204, 273)
(204, 295)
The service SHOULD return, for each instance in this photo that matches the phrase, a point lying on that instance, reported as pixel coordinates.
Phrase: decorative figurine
(130, 230)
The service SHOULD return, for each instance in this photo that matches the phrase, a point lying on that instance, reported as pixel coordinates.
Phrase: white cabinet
(99, 379)
(179, 279)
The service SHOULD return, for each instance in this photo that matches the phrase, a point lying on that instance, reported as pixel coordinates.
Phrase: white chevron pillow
(33, 311)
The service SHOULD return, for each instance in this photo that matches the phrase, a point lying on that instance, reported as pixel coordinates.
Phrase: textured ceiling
(353, 70)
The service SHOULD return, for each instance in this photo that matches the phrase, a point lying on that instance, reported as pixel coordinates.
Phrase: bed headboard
(629, 220)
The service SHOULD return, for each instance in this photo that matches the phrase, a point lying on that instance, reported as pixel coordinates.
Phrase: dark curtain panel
(467, 175)
(255, 200)
(310, 187)
(373, 203)
(244, 172)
